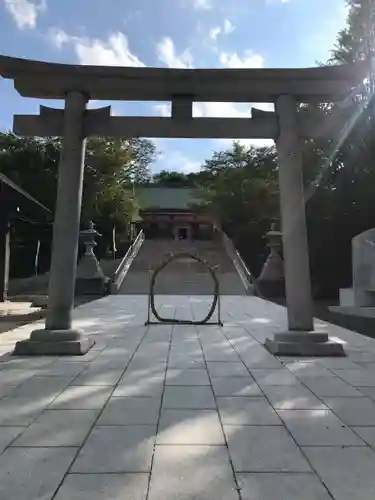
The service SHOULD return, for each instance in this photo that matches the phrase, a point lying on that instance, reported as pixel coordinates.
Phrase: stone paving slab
(353, 411)
(349, 473)
(235, 387)
(281, 487)
(104, 487)
(264, 449)
(190, 427)
(58, 428)
(201, 412)
(192, 472)
(33, 473)
(292, 397)
(357, 378)
(21, 411)
(42, 387)
(140, 385)
(186, 361)
(335, 387)
(95, 376)
(274, 377)
(193, 397)
(367, 434)
(247, 411)
(63, 369)
(192, 376)
(82, 397)
(367, 391)
(318, 428)
(130, 411)
(117, 449)
(226, 369)
(7, 435)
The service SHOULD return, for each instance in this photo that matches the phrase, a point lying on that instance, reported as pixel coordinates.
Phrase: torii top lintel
(52, 81)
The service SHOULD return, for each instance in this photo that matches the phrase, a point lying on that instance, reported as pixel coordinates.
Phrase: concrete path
(183, 413)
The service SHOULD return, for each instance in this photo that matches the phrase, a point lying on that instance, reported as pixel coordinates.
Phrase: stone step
(181, 277)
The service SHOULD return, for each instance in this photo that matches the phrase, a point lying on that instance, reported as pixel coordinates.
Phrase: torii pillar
(301, 339)
(58, 337)
(4, 243)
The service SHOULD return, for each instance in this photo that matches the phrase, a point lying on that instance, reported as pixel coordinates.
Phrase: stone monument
(360, 299)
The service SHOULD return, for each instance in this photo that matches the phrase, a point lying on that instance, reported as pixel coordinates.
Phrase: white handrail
(242, 269)
(122, 268)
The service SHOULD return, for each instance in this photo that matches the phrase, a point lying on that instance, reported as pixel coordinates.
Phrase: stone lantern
(90, 279)
(271, 280)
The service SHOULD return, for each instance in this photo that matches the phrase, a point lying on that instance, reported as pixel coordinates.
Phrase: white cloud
(249, 59)
(208, 110)
(59, 37)
(163, 109)
(114, 51)
(166, 53)
(189, 166)
(264, 106)
(201, 4)
(25, 12)
(220, 109)
(257, 143)
(175, 160)
(214, 32)
(226, 29)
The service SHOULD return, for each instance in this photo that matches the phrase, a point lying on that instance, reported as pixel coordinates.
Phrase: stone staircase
(182, 277)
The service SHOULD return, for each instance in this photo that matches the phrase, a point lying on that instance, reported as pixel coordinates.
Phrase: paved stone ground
(183, 412)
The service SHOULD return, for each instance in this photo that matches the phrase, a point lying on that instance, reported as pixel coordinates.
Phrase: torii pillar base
(304, 344)
(54, 343)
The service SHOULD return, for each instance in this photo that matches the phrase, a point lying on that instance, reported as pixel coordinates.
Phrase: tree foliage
(352, 38)
(171, 178)
(111, 167)
(239, 187)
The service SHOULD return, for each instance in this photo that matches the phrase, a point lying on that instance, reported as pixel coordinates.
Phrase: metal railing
(123, 267)
(248, 279)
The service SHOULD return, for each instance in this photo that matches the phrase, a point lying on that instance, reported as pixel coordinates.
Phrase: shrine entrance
(76, 85)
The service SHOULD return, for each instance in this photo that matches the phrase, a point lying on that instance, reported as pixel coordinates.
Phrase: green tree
(341, 172)
(240, 189)
(171, 178)
(352, 39)
(32, 163)
(111, 166)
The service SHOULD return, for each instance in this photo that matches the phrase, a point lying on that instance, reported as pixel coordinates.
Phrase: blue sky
(167, 33)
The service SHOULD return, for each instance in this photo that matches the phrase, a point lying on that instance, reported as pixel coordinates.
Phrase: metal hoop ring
(163, 265)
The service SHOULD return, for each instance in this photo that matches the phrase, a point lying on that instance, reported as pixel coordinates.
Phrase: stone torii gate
(76, 85)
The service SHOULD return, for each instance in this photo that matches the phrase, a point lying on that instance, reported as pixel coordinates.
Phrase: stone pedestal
(304, 344)
(58, 337)
(271, 279)
(54, 343)
(90, 279)
(296, 342)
